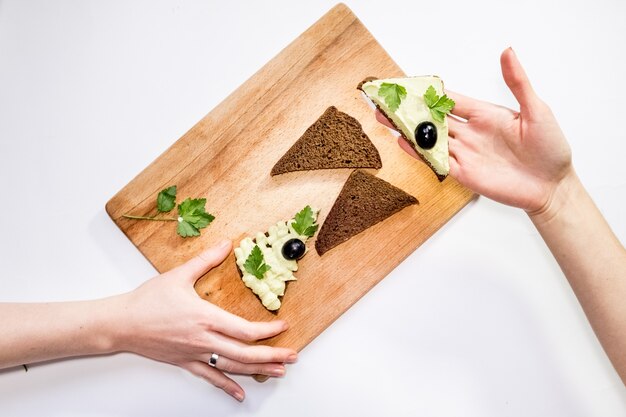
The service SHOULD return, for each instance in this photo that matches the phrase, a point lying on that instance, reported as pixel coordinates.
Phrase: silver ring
(213, 360)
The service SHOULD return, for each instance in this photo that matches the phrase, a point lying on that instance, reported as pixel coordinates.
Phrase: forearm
(592, 259)
(43, 331)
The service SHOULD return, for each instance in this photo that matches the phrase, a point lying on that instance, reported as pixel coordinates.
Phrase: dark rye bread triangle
(335, 140)
(363, 201)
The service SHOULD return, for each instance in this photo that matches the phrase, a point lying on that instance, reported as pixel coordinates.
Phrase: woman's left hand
(165, 319)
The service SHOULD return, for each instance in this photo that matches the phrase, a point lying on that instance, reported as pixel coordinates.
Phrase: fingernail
(238, 396)
(292, 358)
(278, 371)
(223, 244)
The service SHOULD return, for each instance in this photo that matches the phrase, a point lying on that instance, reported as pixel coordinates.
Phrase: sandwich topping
(268, 260)
(409, 102)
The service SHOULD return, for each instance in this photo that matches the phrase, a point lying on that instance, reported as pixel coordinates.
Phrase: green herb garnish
(192, 215)
(392, 94)
(255, 264)
(304, 222)
(439, 106)
(166, 200)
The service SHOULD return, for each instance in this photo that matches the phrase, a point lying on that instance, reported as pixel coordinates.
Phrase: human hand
(164, 319)
(515, 158)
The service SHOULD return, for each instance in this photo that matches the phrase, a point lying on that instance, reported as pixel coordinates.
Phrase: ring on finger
(213, 360)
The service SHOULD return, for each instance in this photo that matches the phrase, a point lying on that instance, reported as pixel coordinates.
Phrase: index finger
(464, 106)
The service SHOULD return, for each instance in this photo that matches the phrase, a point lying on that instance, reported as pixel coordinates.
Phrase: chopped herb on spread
(392, 94)
(439, 106)
(255, 264)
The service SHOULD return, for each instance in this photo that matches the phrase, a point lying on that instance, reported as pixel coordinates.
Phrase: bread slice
(272, 282)
(410, 113)
(363, 201)
(335, 140)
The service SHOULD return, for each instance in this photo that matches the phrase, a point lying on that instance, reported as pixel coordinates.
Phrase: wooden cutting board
(227, 157)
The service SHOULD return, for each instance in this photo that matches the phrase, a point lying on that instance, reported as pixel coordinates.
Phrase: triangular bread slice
(272, 282)
(363, 201)
(410, 113)
(335, 140)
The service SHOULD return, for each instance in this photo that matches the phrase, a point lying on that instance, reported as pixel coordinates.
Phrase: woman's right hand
(515, 158)
(164, 319)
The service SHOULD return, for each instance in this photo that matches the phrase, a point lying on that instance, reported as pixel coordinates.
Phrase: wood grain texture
(228, 155)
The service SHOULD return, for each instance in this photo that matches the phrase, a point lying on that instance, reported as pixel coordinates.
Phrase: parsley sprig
(255, 263)
(304, 222)
(192, 217)
(392, 94)
(192, 214)
(439, 106)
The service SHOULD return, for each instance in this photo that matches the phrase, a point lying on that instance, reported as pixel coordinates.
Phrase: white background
(478, 322)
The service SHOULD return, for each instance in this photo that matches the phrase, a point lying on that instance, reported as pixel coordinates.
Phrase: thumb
(199, 265)
(516, 79)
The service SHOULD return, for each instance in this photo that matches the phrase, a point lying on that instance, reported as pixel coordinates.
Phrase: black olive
(293, 249)
(426, 135)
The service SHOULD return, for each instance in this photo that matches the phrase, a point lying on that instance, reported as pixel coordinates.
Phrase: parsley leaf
(393, 94)
(431, 97)
(255, 264)
(439, 106)
(192, 217)
(304, 222)
(166, 200)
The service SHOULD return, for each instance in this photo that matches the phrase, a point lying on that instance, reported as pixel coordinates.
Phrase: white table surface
(479, 321)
